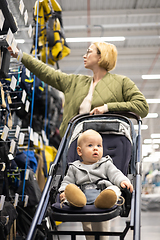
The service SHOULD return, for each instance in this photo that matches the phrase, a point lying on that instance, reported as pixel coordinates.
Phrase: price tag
(27, 106)
(36, 139)
(26, 200)
(24, 94)
(30, 30)
(2, 199)
(17, 131)
(10, 156)
(12, 146)
(13, 83)
(16, 199)
(25, 17)
(5, 133)
(21, 138)
(14, 45)
(20, 55)
(9, 37)
(44, 136)
(27, 73)
(1, 20)
(30, 130)
(21, 7)
(27, 174)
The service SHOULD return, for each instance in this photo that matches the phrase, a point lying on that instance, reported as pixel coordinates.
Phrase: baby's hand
(62, 196)
(128, 185)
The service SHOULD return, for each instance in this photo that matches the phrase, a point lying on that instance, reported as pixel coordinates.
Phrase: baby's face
(91, 149)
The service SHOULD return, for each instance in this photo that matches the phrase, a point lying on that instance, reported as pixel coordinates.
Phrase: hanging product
(48, 155)
(31, 189)
(4, 61)
(8, 216)
(9, 19)
(52, 45)
(4, 164)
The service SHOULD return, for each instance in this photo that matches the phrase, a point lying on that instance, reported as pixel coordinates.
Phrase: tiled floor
(150, 229)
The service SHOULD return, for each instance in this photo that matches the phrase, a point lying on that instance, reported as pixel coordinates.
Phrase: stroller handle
(121, 113)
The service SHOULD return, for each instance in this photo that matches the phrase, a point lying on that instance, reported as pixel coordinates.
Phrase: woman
(98, 94)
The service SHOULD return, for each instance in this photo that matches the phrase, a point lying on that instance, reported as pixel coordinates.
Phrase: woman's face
(91, 58)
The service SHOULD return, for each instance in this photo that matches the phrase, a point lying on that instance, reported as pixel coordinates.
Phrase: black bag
(24, 220)
(32, 189)
(4, 164)
(8, 215)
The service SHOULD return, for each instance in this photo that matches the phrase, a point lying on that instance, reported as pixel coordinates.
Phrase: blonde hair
(108, 53)
(86, 133)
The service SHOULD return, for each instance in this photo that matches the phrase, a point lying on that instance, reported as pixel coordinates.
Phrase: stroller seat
(117, 143)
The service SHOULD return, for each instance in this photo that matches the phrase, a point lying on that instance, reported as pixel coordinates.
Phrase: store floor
(150, 229)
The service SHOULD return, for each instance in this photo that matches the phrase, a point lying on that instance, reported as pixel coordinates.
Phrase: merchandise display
(30, 114)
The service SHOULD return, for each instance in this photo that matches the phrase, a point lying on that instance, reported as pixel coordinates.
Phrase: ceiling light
(153, 100)
(156, 140)
(95, 39)
(143, 127)
(149, 141)
(149, 148)
(152, 115)
(154, 76)
(155, 135)
(154, 157)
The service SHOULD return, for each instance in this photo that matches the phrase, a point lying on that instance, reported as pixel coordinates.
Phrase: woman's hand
(99, 110)
(15, 55)
(127, 184)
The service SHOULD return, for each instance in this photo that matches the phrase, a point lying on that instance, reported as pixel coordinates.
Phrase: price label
(20, 55)
(24, 95)
(13, 83)
(21, 138)
(17, 131)
(12, 146)
(36, 136)
(5, 133)
(27, 106)
(27, 73)
(25, 17)
(1, 20)
(9, 37)
(30, 30)
(21, 7)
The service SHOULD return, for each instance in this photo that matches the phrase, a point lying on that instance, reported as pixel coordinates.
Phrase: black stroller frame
(132, 204)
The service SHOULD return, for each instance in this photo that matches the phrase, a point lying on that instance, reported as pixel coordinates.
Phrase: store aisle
(150, 229)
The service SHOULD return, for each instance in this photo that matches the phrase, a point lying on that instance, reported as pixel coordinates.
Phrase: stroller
(123, 145)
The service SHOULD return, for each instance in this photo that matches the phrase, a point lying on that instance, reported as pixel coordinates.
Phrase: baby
(83, 181)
